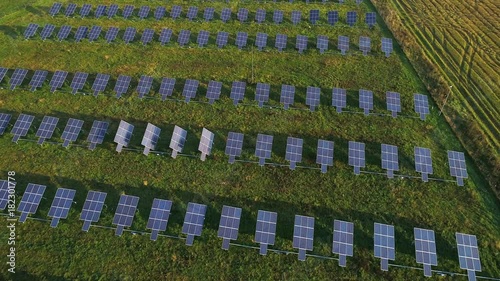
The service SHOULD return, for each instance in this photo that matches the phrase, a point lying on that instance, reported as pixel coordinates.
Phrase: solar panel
(158, 217)
(324, 155)
(234, 146)
(343, 239)
(370, 19)
(38, 79)
(263, 148)
(70, 10)
(144, 85)
(178, 140)
(183, 37)
(301, 43)
(229, 225)
(46, 128)
(160, 12)
(61, 205)
(92, 208)
(123, 135)
(313, 95)
(366, 100)
(237, 91)
(303, 235)
(192, 12)
(294, 151)
(30, 201)
(387, 46)
(129, 35)
(190, 89)
(78, 81)
(202, 39)
(351, 18)
(30, 31)
(332, 17)
(100, 83)
(4, 122)
(365, 44)
(54, 10)
(213, 91)
(314, 16)
(322, 43)
(265, 231)
(57, 80)
(208, 14)
(425, 249)
(100, 11)
(125, 212)
(384, 244)
(80, 33)
(390, 159)
(85, 10)
(393, 103)
(4, 193)
(166, 88)
(423, 162)
(225, 15)
(343, 44)
(287, 95)
(421, 105)
(468, 254)
(112, 10)
(71, 131)
(458, 169)
(261, 41)
(278, 16)
(21, 127)
(127, 11)
(260, 16)
(206, 142)
(150, 139)
(176, 12)
(280, 43)
(241, 39)
(147, 36)
(97, 133)
(356, 156)
(296, 15)
(339, 98)
(165, 35)
(3, 71)
(221, 40)
(242, 15)
(63, 32)
(121, 86)
(143, 12)
(17, 78)
(193, 221)
(47, 31)
(262, 93)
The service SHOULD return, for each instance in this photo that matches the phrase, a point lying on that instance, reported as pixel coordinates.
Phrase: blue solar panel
(423, 162)
(5, 186)
(3, 71)
(85, 10)
(38, 79)
(100, 83)
(97, 133)
(111, 34)
(160, 12)
(47, 31)
(242, 15)
(176, 12)
(57, 80)
(147, 36)
(425, 249)
(122, 84)
(166, 88)
(468, 254)
(150, 139)
(17, 78)
(190, 89)
(303, 235)
(193, 221)
(262, 93)
(301, 43)
(324, 155)
(225, 15)
(265, 230)
(143, 12)
(332, 17)
(390, 159)
(384, 244)
(100, 11)
(237, 91)
(206, 143)
(229, 225)
(54, 10)
(4, 122)
(78, 81)
(63, 32)
(178, 140)
(281, 41)
(365, 44)
(71, 131)
(287, 95)
(314, 16)
(213, 91)
(421, 105)
(165, 36)
(260, 16)
(30, 201)
(322, 43)
(127, 11)
(129, 35)
(112, 10)
(125, 212)
(343, 238)
(202, 39)
(339, 98)
(60, 205)
(370, 19)
(123, 135)
(351, 18)
(46, 129)
(144, 85)
(208, 14)
(263, 148)
(296, 15)
(80, 33)
(70, 10)
(278, 16)
(183, 38)
(30, 30)
(366, 100)
(343, 44)
(94, 33)
(234, 146)
(393, 103)
(221, 40)
(294, 151)
(92, 208)
(313, 95)
(241, 39)
(261, 40)
(356, 156)
(192, 12)
(387, 47)
(158, 217)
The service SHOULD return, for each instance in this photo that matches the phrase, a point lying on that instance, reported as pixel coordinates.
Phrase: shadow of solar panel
(166, 88)
(46, 129)
(165, 36)
(147, 36)
(144, 85)
(175, 12)
(370, 19)
(393, 103)
(339, 98)
(351, 18)
(150, 139)
(356, 156)
(61, 205)
(183, 37)
(127, 11)
(263, 148)
(193, 221)
(4, 192)
(202, 39)
(129, 35)
(343, 44)
(4, 122)
(237, 91)
(468, 254)
(112, 10)
(260, 16)
(458, 169)
(158, 217)
(208, 14)
(287, 95)
(313, 97)
(332, 17)
(143, 12)
(92, 208)
(294, 151)
(38, 79)
(78, 81)
(206, 143)
(314, 16)
(213, 91)
(301, 43)
(241, 39)
(366, 101)
(265, 231)
(70, 10)
(261, 40)
(278, 16)
(262, 93)
(190, 89)
(322, 43)
(54, 10)
(281, 40)
(47, 31)
(81, 32)
(63, 32)
(221, 40)
(421, 105)
(384, 244)
(3, 71)
(100, 11)
(177, 141)
(365, 45)
(71, 131)
(17, 78)
(30, 201)
(229, 225)
(324, 155)
(390, 160)
(100, 83)
(423, 162)
(387, 46)
(30, 31)
(303, 235)
(85, 10)
(125, 212)
(234, 146)
(21, 127)
(296, 15)
(122, 84)
(343, 239)
(242, 15)
(97, 133)
(192, 12)
(159, 12)
(57, 80)
(123, 135)
(425, 249)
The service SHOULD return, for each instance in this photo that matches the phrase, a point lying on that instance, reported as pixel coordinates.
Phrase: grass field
(67, 253)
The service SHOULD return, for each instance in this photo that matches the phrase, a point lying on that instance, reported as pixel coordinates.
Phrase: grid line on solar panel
(296, 15)
(332, 17)
(46, 129)
(100, 11)
(92, 208)
(150, 139)
(339, 98)
(343, 239)
(384, 244)
(324, 155)
(365, 44)
(123, 135)
(265, 231)
(229, 225)
(303, 235)
(147, 36)
(389, 159)
(70, 10)
(143, 12)
(234, 145)
(237, 91)
(192, 13)
(30, 31)
(176, 12)
(423, 162)
(47, 31)
(261, 40)
(30, 200)
(213, 91)
(166, 87)
(393, 103)
(158, 217)
(458, 168)
(206, 142)
(125, 212)
(122, 84)
(21, 127)
(281, 41)
(165, 36)
(356, 156)
(260, 16)
(178, 140)
(54, 10)
(421, 105)
(144, 85)
(366, 100)
(294, 151)
(97, 133)
(160, 12)
(61, 205)
(63, 32)
(4, 122)
(78, 81)
(425, 249)
(100, 83)
(127, 11)
(17, 78)
(193, 221)
(85, 10)
(278, 16)
(313, 95)
(468, 252)
(263, 148)
(71, 131)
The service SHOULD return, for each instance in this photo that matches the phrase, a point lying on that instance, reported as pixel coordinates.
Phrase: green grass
(68, 253)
